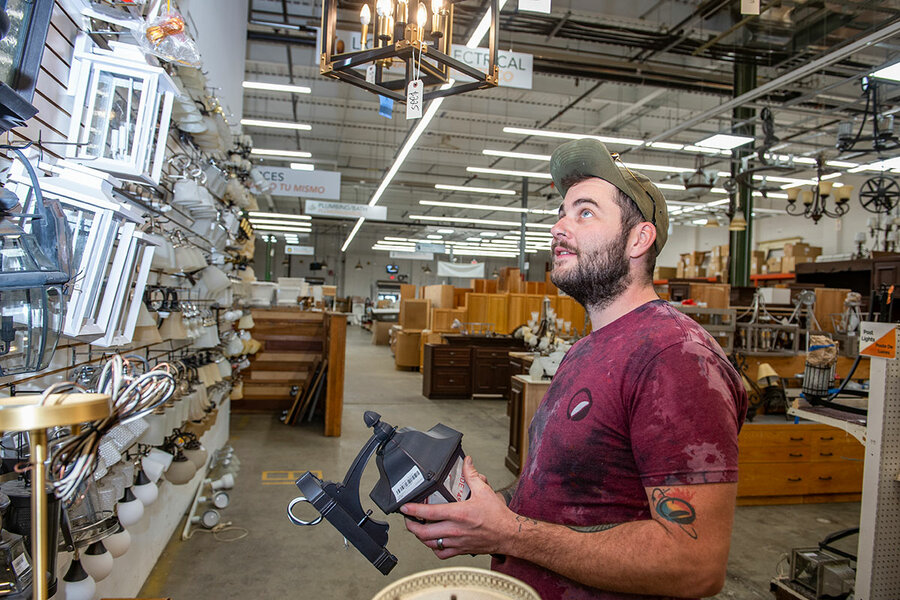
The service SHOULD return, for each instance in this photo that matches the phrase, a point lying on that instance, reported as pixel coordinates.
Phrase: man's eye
(586, 213)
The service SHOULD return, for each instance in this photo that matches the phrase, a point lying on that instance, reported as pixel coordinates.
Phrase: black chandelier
(403, 34)
(814, 201)
(882, 137)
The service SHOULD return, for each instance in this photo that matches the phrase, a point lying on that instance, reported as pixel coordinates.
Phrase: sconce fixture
(423, 50)
(815, 200)
(20, 59)
(882, 137)
(126, 105)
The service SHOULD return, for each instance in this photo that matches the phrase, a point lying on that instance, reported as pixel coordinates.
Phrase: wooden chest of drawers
(793, 464)
(447, 372)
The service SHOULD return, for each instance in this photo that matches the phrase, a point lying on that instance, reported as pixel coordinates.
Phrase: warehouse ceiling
(657, 72)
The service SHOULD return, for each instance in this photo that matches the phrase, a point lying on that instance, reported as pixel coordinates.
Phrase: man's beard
(599, 276)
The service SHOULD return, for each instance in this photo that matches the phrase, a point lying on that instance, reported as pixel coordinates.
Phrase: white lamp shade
(145, 490)
(97, 561)
(78, 584)
(214, 279)
(118, 543)
(197, 456)
(129, 509)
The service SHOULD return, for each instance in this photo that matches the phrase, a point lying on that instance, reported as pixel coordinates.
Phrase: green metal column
(740, 242)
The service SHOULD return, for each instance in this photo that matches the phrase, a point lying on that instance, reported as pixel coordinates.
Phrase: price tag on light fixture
(749, 7)
(414, 99)
(370, 73)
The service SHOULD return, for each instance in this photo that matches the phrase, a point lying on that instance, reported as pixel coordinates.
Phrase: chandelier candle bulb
(437, 6)
(365, 17)
(421, 16)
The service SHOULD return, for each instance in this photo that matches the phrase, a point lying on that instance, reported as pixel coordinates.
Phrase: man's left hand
(479, 525)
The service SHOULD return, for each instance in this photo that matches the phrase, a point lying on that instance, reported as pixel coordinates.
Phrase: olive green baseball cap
(590, 158)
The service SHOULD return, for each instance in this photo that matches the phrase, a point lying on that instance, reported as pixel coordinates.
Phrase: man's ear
(642, 239)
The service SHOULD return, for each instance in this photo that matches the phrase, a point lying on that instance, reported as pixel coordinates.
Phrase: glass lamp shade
(156, 462)
(129, 509)
(144, 489)
(121, 111)
(31, 302)
(97, 561)
(181, 470)
(15, 564)
(78, 584)
(119, 542)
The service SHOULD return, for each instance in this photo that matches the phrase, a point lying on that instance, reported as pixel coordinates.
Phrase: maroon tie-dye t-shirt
(648, 400)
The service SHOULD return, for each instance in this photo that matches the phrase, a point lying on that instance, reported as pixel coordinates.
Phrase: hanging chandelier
(882, 137)
(814, 200)
(407, 44)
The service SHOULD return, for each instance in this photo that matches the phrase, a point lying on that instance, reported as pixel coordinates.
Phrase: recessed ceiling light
(276, 124)
(724, 141)
(891, 72)
(276, 87)
(280, 153)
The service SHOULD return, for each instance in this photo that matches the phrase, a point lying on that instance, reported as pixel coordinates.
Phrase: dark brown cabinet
(447, 371)
(514, 408)
(490, 371)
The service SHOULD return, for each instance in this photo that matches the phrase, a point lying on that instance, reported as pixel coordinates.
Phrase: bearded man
(628, 489)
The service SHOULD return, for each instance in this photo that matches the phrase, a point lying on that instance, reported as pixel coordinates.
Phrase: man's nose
(560, 228)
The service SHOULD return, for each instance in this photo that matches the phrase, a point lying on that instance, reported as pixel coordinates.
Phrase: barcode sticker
(408, 483)
(20, 565)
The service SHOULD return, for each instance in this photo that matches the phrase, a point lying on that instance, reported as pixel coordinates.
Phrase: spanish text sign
(878, 339)
(325, 185)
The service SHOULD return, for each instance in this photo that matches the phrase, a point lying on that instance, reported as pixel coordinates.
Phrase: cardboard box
(679, 270)
(773, 265)
(789, 263)
(695, 259)
(414, 314)
(694, 272)
(713, 295)
(665, 273)
(406, 348)
(802, 250)
(771, 295)
(720, 251)
(381, 332)
(441, 296)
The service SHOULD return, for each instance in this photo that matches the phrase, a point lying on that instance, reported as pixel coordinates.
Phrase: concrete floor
(279, 560)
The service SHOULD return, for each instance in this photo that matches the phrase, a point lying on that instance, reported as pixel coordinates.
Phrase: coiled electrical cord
(74, 458)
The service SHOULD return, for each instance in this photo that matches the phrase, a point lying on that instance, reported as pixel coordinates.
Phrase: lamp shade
(97, 561)
(129, 509)
(764, 372)
(173, 328)
(181, 470)
(196, 453)
(144, 489)
(738, 223)
(78, 584)
(119, 542)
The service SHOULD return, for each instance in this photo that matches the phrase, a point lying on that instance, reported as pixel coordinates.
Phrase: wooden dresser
(467, 365)
(783, 463)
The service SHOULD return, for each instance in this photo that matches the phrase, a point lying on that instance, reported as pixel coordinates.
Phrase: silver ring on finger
(440, 543)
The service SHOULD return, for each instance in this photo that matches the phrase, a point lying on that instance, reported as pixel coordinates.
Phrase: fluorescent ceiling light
(488, 234)
(488, 207)
(465, 220)
(704, 150)
(473, 239)
(724, 141)
(669, 186)
(508, 172)
(572, 136)
(393, 248)
(434, 236)
(303, 166)
(276, 124)
(522, 155)
(831, 176)
(700, 221)
(475, 190)
(272, 215)
(401, 156)
(445, 231)
(718, 202)
(540, 225)
(881, 165)
(666, 146)
(483, 26)
(256, 222)
(276, 87)
(281, 228)
(841, 164)
(281, 153)
(396, 239)
(891, 72)
(661, 168)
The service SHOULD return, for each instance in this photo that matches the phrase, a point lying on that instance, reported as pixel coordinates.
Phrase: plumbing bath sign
(878, 339)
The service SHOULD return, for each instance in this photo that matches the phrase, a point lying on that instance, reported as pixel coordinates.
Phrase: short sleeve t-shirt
(648, 400)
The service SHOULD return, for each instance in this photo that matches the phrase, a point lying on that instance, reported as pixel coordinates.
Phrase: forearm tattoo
(523, 521)
(592, 528)
(673, 506)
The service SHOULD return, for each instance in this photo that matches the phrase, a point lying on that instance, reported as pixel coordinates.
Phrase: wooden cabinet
(447, 371)
(525, 395)
(793, 464)
(479, 363)
(886, 271)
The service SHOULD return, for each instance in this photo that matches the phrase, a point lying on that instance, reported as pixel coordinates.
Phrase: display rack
(877, 576)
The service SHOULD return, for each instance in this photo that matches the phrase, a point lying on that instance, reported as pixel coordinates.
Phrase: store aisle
(279, 560)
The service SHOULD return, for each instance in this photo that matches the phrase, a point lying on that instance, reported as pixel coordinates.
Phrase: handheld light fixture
(414, 466)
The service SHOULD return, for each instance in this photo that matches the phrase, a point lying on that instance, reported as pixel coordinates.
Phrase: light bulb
(119, 542)
(436, 6)
(383, 8)
(129, 509)
(97, 561)
(144, 489)
(365, 15)
(421, 15)
(78, 584)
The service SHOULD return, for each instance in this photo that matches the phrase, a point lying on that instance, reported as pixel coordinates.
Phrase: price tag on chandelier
(414, 99)
(370, 73)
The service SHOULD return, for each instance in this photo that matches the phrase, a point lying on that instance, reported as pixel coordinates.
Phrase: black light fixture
(404, 35)
(20, 59)
(882, 137)
(359, 266)
(815, 201)
(426, 269)
(414, 466)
